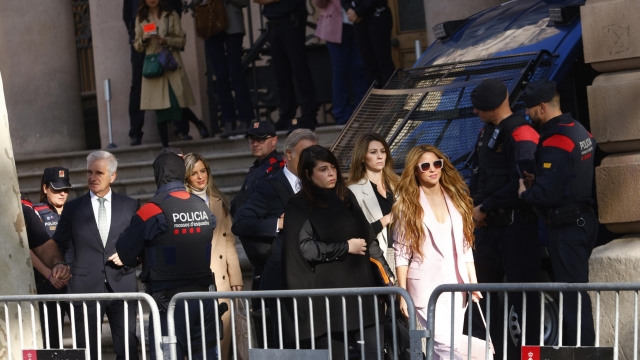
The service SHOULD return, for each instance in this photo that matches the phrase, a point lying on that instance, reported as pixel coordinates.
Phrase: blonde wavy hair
(407, 211)
(190, 161)
(358, 171)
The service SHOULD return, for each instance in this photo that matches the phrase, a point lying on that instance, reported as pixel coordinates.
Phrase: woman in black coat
(328, 243)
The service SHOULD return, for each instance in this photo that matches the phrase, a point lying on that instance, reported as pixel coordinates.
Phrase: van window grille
(432, 105)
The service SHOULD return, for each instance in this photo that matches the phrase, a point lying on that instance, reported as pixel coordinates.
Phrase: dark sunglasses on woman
(425, 166)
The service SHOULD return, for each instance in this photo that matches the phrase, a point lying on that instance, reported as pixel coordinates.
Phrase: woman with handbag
(433, 230)
(372, 180)
(224, 258)
(165, 86)
(328, 242)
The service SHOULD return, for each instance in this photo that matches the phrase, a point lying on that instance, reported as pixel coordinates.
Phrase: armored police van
(520, 41)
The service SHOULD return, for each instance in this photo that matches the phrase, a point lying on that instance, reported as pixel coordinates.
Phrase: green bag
(152, 67)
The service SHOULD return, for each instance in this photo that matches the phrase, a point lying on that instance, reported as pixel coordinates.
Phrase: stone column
(111, 51)
(40, 68)
(15, 264)
(437, 11)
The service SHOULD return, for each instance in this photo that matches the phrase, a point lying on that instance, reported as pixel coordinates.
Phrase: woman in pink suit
(433, 231)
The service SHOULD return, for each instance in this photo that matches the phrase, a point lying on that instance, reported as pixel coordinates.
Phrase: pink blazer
(329, 26)
(425, 274)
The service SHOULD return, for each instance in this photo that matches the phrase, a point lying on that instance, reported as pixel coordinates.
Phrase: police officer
(262, 142)
(561, 190)
(54, 191)
(172, 235)
(506, 242)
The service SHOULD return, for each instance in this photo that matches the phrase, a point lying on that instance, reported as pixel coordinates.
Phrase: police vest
(570, 136)
(492, 172)
(184, 251)
(49, 217)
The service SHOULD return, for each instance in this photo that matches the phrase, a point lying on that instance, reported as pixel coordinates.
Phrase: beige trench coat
(155, 92)
(224, 264)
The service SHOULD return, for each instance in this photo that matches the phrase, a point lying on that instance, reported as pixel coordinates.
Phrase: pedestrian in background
(170, 93)
(433, 228)
(349, 78)
(327, 244)
(373, 22)
(225, 51)
(561, 190)
(286, 33)
(224, 257)
(136, 115)
(54, 191)
(373, 180)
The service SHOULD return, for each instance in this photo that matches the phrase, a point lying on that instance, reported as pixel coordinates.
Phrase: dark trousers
(512, 251)
(225, 52)
(52, 315)
(115, 313)
(337, 342)
(136, 116)
(373, 34)
(349, 78)
(570, 247)
(195, 331)
(287, 45)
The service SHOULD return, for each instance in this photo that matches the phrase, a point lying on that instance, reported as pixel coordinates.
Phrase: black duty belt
(293, 17)
(567, 215)
(507, 216)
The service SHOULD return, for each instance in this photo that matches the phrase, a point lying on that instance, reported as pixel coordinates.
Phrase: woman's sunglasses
(425, 166)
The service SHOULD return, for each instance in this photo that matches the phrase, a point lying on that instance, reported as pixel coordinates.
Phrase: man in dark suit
(261, 217)
(92, 224)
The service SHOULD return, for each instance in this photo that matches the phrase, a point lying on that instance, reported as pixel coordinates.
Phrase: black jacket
(336, 223)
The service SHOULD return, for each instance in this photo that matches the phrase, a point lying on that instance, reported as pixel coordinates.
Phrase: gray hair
(112, 163)
(298, 135)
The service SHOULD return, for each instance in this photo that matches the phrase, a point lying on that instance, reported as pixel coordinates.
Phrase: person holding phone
(158, 27)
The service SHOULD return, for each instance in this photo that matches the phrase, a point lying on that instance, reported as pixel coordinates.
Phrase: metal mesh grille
(432, 105)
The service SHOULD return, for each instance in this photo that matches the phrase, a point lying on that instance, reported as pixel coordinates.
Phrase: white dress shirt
(95, 204)
(293, 180)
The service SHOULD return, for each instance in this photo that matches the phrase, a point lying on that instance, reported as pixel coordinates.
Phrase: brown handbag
(211, 19)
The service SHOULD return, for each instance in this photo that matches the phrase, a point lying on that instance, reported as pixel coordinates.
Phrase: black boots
(202, 129)
(228, 130)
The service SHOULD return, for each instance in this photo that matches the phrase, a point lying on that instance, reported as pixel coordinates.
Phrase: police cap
(489, 95)
(261, 129)
(539, 92)
(57, 178)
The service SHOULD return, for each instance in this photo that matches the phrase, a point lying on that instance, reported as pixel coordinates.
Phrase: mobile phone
(520, 173)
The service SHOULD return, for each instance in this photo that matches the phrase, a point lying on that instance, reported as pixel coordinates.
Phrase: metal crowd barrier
(298, 296)
(33, 300)
(595, 289)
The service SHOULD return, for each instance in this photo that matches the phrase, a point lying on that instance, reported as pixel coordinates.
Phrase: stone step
(77, 159)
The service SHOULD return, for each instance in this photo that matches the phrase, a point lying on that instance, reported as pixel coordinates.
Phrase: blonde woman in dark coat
(224, 258)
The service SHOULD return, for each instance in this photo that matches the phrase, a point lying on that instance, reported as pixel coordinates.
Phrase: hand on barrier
(357, 246)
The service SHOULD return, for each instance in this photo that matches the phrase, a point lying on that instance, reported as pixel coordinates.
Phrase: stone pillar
(15, 264)
(111, 52)
(40, 67)
(609, 28)
(437, 11)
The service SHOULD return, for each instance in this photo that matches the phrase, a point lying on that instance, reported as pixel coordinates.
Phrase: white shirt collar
(293, 179)
(94, 196)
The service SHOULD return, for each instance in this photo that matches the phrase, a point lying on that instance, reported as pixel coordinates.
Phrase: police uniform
(55, 178)
(561, 192)
(507, 246)
(172, 235)
(257, 252)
